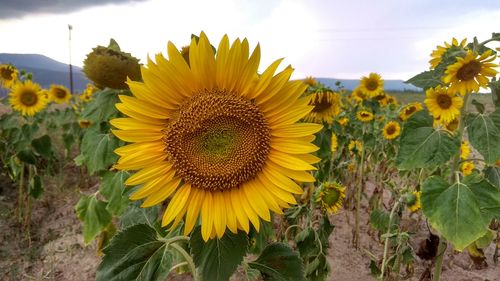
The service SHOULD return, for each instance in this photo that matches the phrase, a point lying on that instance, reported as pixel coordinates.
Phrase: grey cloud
(18, 8)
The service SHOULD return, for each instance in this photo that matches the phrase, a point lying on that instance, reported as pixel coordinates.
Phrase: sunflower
(364, 116)
(355, 146)
(467, 167)
(437, 55)
(443, 104)
(84, 123)
(408, 110)
(343, 121)
(371, 85)
(310, 81)
(59, 94)
(334, 143)
(330, 196)
(8, 75)
(464, 150)
(216, 137)
(358, 95)
(413, 202)
(326, 106)
(470, 72)
(27, 98)
(391, 130)
(87, 94)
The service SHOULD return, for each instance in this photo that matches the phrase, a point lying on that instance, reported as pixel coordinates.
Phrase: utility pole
(70, 66)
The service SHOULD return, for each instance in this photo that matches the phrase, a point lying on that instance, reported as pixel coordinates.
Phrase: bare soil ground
(57, 251)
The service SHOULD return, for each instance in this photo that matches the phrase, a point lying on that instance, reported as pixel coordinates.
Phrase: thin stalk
(358, 197)
(188, 259)
(20, 195)
(27, 219)
(386, 243)
(439, 260)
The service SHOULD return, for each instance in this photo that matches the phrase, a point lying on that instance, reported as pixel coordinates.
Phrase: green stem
(358, 197)
(188, 259)
(386, 243)
(288, 229)
(20, 195)
(439, 260)
(27, 220)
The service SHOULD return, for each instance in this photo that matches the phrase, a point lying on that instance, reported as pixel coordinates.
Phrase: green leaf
(217, 259)
(484, 136)
(113, 45)
(278, 262)
(485, 240)
(425, 80)
(43, 146)
(98, 149)
(92, 212)
(306, 242)
(112, 188)
(492, 175)
(379, 220)
(27, 156)
(421, 146)
(69, 140)
(135, 254)
(35, 187)
(479, 106)
(455, 210)
(101, 107)
(134, 214)
(488, 197)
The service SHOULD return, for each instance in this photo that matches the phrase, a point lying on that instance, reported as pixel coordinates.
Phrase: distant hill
(46, 71)
(389, 85)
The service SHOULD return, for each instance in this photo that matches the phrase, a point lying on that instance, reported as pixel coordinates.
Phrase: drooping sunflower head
(391, 130)
(217, 138)
(27, 98)
(355, 146)
(310, 81)
(334, 144)
(330, 196)
(372, 85)
(326, 105)
(364, 116)
(464, 150)
(471, 72)
(358, 95)
(437, 54)
(110, 67)
(443, 104)
(8, 75)
(467, 167)
(408, 110)
(413, 201)
(59, 94)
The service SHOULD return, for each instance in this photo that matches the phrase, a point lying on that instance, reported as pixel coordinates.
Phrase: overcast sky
(341, 39)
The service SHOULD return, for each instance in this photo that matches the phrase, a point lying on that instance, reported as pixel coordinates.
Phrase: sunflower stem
(439, 259)
(188, 259)
(386, 242)
(20, 195)
(27, 219)
(358, 197)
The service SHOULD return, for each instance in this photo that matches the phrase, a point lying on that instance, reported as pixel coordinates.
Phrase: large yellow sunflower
(391, 130)
(330, 196)
(437, 55)
(443, 104)
(408, 110)
(326, 106)
(59, 94)
(216, 137)
(470, 72)
(371, 85)
(8, 75)
(27, 98)
(358, 95)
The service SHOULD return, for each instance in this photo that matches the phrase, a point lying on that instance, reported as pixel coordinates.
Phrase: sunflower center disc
(410, 110)
(218, 140)
(29, 98)
(391, 130)
(469, 71)
(60, 93)
(331, 196)
(320, 102)
(372, 85)
(6, 73)
(444, 101)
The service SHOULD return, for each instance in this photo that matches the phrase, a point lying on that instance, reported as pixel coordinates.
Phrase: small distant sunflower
(343, 121)
(351, 167)
(355, 146)
(8, 75)
(372, 85)
(413, 202)
(87, 94)
(364, 116)
(358, 95)
(391, 99)
(470, 72)
(408, 110)
(326, 106)
(310, 81)
(467, 167)
(59, 94)
(443, 104)
(334, 143)
(215, 139)
(391, 130)
(330, 196)
(464, 150)
(437, 55)
(84, 123)
(27, 98)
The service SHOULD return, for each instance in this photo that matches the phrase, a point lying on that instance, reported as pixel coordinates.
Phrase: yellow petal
(144, 107)
(152, 186)
(134, 124)
(148, 173)
(288, 161)
(296, 130)
(176, 204)
(195, 203)
(219, 213)
(302, 176)
(238, 210)
(138, 135)
(292, 146)
(281, 181)
(257, 204)
(162, 194)
(207, 216)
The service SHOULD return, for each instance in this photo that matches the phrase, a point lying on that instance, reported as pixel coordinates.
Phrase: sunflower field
(202, 164)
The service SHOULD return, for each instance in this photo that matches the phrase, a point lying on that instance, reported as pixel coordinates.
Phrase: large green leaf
(134, 214)
(492, 174)
(97, 149)
(92, 212)
(102, 107)
(217, 259)
(484, 136)
(135, 254)
(462, 211)
(421, 146)
(278, 262)
(425, 80)
(43, 146)
(35, 187)
(112, 188)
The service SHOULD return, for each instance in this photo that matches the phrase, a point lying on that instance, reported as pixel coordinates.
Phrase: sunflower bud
(110, 67)
(329, 196)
